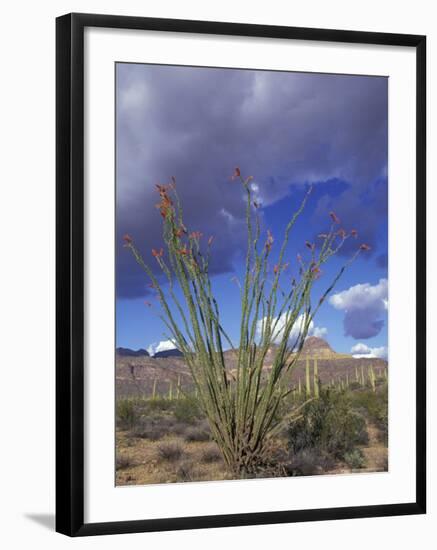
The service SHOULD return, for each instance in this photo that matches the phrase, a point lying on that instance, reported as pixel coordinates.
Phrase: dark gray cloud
(361, 206)
(283, 128)
(359, 325)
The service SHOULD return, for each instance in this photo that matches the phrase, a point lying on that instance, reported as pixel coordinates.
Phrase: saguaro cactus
(316, 379)
(178, 387)
(307, 378)
(372, 378)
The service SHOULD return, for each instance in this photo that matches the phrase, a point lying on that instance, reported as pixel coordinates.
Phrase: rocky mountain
(319, 348)
(168, 353)
(126, 352)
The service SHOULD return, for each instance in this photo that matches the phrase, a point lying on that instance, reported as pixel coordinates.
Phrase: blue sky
(287, 130)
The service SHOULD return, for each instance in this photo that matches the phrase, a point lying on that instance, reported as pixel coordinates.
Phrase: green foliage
(126, 413)
(187, 410)
(158, 404)
(374, 405)
(328, 424)
(355, 459)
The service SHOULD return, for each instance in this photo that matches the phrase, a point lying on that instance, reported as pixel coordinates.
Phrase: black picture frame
(70, 273)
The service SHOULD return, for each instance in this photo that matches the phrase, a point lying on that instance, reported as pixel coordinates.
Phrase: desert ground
(162, 436)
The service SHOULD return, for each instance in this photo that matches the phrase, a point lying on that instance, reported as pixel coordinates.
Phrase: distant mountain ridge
(168, 353)
(137, 374)
(127, 352)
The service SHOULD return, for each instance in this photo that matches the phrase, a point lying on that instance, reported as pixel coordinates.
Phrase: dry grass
(171, 451)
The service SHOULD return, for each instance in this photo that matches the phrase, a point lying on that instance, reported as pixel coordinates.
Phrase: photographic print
(251, 274)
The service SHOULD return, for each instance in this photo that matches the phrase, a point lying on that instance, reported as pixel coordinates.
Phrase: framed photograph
(240, 274)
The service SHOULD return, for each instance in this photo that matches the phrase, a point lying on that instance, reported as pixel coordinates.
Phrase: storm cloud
(285, 129)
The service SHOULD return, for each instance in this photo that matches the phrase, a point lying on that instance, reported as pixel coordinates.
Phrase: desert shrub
(148, 431)
(374, 405)
(308, 462)
(126, 413)
(328, 424)
(187, 410)
(382, 463)
(122, 462)
(178, 428)
(170, 451)
(186, 471)
(355, 459)
(198, 433)
(160, 404)
(211, 453)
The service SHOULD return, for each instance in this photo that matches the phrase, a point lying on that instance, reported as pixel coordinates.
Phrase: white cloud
(365, 307)
(164, 345)
(320, 332)
(360, 350)
(362, 296)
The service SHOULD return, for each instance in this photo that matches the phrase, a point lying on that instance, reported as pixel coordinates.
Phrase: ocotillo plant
(242, 410)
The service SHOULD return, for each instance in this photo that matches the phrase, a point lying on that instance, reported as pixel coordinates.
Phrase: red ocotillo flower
(179, 232)
(341, 233)
(364, 246)
(127, 239)
(157, 253)
(315, 270)
(236, 174)
(162, 189)
(354, 233)
(183, 251)
(276, 269)
(334, 217)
